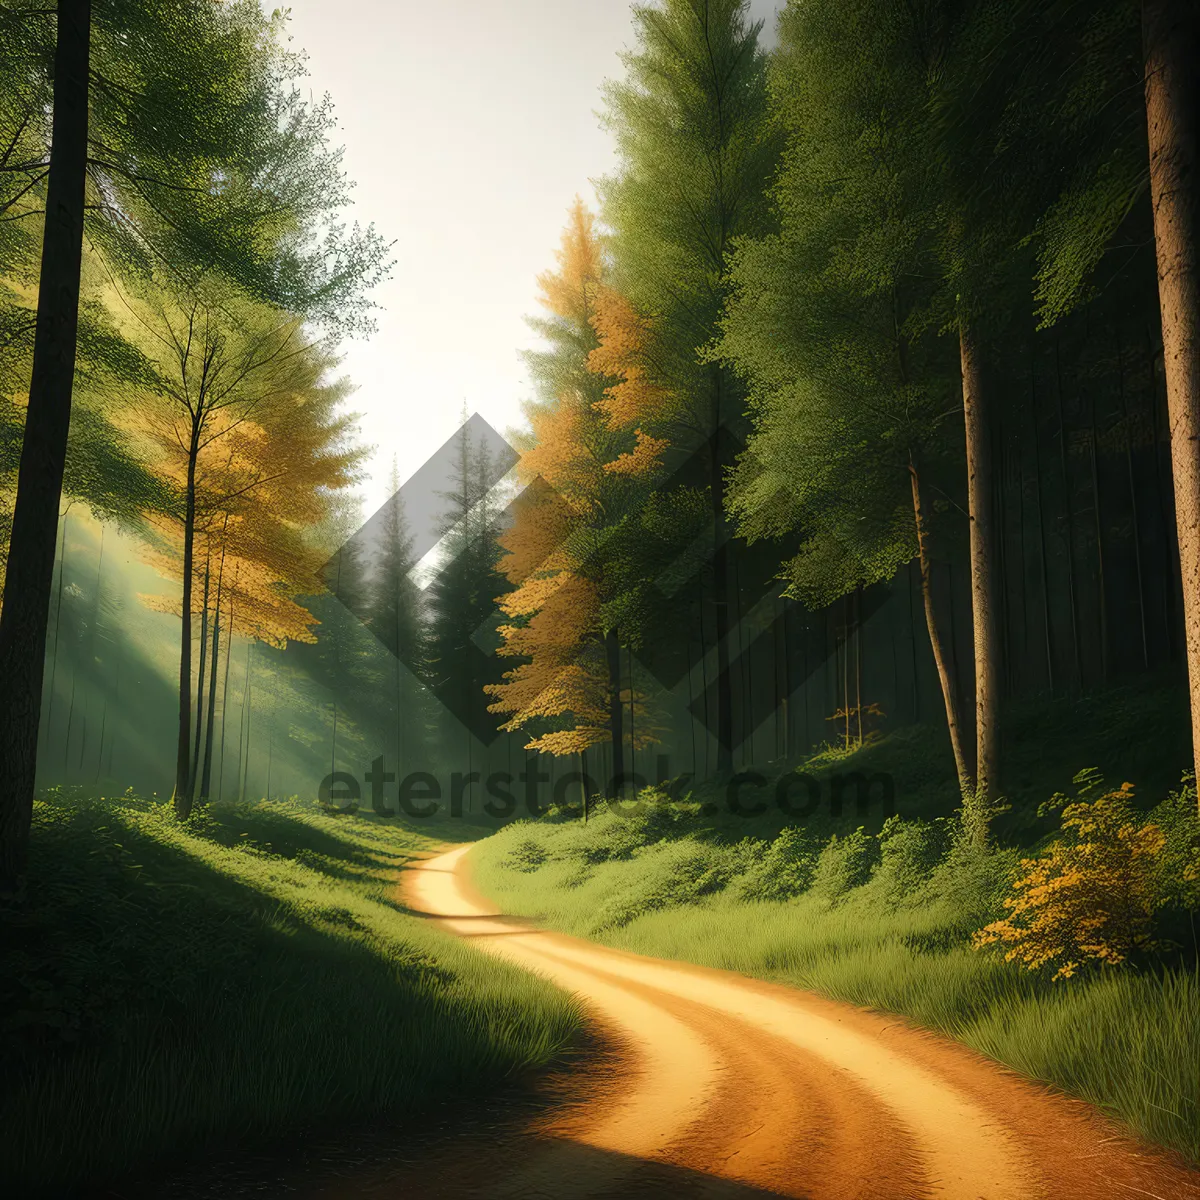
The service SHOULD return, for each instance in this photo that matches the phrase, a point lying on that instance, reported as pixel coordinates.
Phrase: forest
(860, 465)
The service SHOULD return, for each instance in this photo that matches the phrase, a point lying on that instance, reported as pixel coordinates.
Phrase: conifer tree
(695, 155)
(583, 485)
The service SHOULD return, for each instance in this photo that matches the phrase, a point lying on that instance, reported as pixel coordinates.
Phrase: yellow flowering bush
(1091, 896)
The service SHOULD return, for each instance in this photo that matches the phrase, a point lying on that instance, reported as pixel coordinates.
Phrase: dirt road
(724, 1086)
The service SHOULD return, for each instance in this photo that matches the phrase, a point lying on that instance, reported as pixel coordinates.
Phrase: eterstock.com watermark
(535, 792)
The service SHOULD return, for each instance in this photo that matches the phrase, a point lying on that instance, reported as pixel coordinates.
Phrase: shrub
(1091, 896)
(908, 853)
(527, 855)
(844, 863)
(776, 870)
(678, 873)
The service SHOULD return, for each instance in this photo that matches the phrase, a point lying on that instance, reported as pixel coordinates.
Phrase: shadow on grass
(169, 988)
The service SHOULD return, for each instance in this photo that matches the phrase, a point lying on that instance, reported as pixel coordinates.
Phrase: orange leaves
(644, 459)
(623, 354)
(570, 292)
(586, 445)
(1090, 896)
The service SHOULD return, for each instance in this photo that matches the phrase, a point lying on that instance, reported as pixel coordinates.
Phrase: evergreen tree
(695, 155)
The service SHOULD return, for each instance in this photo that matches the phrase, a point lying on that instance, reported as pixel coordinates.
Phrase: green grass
(882, 923)
(167, 988)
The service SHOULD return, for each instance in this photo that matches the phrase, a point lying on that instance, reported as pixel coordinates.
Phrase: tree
(461, 597)
(1171, 36)
(584, 471)
(852, 394)
(175, 136)
(695, 156)
(397, 618)
(249, 433)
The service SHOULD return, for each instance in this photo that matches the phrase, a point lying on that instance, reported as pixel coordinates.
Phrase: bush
(777, 870)
(1091, 896)
(845, 863)
(908, 853)
(527, 855)
(678, 873)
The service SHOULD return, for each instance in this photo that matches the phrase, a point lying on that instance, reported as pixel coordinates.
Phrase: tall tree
(829, 323)
(249, 430)
(174, 130)
(1171, 36)
(695, 155)
(582, 485)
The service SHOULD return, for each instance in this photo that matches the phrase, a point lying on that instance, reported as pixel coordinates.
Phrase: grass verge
(879, 919)
(168, 987)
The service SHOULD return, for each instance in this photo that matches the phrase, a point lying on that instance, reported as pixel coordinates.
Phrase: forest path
(717, 1085)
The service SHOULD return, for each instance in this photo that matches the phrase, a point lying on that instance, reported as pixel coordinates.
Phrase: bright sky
(469, 126)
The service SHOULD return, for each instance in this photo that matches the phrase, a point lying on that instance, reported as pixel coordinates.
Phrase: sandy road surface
(722, 1086)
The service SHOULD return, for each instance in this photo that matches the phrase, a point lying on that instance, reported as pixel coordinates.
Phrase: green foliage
(843, 864)
(885, 922)
(527, 855)
(779, 869)
(168, 985)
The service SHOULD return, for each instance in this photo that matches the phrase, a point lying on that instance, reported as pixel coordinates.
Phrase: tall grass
(878, 923)
(170, 987)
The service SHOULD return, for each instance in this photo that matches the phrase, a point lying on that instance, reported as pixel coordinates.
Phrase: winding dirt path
(723, 1086)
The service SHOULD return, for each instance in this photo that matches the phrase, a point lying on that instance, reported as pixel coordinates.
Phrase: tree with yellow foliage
(246, 429)
(584, 470)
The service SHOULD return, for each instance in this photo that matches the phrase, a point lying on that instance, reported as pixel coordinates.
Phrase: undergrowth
(169, 987)
(884, 918)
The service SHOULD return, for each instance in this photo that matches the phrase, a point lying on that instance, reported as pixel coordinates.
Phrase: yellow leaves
(570, 292)
(644, 459)
(1090, 896)
(623, 354)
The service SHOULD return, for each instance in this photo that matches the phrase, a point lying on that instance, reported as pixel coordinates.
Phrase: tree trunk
(183, 749)
(194, 770)
(949, 692)
(206, 770)
(30, 569)
(979, 497)
(1171, 42)
(225, 686)
(1070, 510)
(612, 650)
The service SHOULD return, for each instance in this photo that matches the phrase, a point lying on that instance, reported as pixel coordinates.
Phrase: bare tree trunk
(206, 771)
(858, 661)
(225, 687)
(30, 567)
(1070, 507)
(1133, 504)
(1093, 438)
(979, 497)
(1037, 492)
(1171, 43)
(949, 692)
(720, 576)
(194, 771)
(612, 650)
(183, 750)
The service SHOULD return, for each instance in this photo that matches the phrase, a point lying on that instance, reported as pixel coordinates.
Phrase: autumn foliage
(584, 456)
(1090, 897)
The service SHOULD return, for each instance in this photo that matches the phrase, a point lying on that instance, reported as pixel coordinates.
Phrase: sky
(469, 126)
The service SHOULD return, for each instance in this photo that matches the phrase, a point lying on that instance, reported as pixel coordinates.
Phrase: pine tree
(695, 155)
